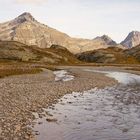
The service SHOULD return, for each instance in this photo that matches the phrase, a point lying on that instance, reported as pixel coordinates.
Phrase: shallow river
(112, 113)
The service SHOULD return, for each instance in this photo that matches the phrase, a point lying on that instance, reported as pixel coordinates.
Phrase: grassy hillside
(15, 51)
(135, 52)
(111, 55)
(17, 58)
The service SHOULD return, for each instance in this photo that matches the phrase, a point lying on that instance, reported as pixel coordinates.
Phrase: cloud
(30, 1)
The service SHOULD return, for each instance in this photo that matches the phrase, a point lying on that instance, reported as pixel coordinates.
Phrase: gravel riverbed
(22, 95)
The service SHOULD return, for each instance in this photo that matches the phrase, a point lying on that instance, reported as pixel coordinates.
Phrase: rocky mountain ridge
(26, 29)
(29, 31)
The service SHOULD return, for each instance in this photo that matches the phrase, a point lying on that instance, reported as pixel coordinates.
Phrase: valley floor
(22, 95)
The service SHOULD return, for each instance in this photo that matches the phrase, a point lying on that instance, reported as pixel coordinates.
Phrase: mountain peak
(25, 17)
(106, 36)
(25, 14)
(106, 39)
(133, 33)
(132, 40)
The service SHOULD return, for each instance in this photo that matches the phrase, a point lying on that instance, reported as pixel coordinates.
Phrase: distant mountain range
(26, 29)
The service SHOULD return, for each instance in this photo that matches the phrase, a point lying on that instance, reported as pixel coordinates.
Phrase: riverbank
(22, 95)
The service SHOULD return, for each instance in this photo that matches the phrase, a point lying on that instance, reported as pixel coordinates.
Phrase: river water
(112, 113)
(62, 75)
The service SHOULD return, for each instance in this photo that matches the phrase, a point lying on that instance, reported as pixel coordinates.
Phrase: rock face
(132, 40)
(29, 31)
(15, 51)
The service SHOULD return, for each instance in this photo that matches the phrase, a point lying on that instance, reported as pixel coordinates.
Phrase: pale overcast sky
(79, 18)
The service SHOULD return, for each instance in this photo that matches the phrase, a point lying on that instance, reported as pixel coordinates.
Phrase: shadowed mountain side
(111, 55)
(135, 52)
(15, 51)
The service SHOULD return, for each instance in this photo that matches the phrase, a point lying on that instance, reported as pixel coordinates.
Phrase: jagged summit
(106, 39)
(134, 32)
(25, 17)
(132, 40)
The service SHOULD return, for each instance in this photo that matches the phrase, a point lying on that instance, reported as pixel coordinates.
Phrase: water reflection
(112, 113)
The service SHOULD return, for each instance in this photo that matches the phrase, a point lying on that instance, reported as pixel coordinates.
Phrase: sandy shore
(22, 95)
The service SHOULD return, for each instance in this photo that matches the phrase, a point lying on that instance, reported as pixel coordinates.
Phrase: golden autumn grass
(8, 69)
(119, 56)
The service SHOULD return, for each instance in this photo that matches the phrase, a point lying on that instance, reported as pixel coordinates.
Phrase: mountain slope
(132, 40)
(113, 55)
(29, 31)
(15, 51)
(135, 52)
